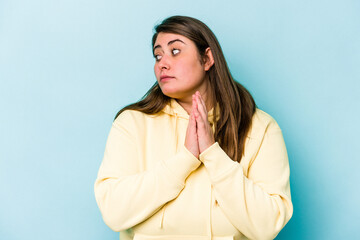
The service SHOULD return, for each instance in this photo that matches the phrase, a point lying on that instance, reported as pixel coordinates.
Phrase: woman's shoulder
(263, 117)
(128, 115)
(132, 117)
(263, 122)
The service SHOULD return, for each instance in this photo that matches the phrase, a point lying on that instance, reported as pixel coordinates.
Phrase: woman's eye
(157, 57)
(175, 51)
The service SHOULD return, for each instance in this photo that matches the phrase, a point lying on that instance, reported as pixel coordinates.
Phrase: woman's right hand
(191, 139)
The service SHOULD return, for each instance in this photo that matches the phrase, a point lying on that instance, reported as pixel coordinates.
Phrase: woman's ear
(209, 59)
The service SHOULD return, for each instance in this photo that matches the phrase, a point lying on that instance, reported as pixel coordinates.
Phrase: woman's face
(178, 68)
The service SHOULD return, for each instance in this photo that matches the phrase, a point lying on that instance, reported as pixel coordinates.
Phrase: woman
(174, 170)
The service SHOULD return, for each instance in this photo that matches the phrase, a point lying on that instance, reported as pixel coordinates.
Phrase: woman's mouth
(165, 78)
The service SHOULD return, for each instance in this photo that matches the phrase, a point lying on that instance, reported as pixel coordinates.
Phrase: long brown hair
(236, 105)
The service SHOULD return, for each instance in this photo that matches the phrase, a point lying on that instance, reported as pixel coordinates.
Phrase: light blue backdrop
(66, 68)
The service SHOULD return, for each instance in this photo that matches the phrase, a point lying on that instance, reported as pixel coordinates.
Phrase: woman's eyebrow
(169, 43)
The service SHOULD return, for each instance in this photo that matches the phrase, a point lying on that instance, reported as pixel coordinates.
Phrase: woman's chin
(172, 93)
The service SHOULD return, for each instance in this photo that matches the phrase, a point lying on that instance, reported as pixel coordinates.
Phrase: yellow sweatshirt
(149, 186)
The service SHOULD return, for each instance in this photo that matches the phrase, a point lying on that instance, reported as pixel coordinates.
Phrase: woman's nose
(164, 63)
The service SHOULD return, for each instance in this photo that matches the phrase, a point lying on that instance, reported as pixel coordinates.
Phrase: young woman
(195, 158)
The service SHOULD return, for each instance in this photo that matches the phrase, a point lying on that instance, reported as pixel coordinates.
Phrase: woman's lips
(165, 78)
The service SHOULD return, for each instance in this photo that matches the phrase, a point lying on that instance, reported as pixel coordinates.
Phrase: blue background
(67, 67)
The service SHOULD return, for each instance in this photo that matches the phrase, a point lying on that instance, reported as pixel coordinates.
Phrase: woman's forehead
(165, 38)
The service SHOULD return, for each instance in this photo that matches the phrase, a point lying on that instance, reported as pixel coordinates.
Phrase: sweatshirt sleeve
(126, 194)
(259, 204)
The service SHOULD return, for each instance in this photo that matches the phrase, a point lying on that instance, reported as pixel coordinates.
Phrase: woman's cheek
(157, 72)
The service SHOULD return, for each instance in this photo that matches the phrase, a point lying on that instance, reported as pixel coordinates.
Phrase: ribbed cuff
(182, 164)
(216, 161)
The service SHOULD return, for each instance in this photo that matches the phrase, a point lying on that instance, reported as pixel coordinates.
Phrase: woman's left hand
(204, 130)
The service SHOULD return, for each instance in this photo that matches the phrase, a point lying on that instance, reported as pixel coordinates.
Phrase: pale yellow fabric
(149, 186)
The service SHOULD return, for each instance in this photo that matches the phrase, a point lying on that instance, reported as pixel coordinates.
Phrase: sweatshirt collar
(175, 109)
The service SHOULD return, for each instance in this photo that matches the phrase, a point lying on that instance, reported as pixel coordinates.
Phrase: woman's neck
(186, 103)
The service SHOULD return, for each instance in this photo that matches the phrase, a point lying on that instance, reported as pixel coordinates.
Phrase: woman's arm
(259, 204)
(126, 194)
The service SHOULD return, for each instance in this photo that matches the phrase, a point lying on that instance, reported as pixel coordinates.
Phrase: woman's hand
(191, 139)
(205, 133)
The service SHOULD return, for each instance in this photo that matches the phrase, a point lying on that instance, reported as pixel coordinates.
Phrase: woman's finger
(194, 106)
(204, 133)
(202, 101)
(201, 124)
(193, 114)
(201, 108)
(191, 138)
